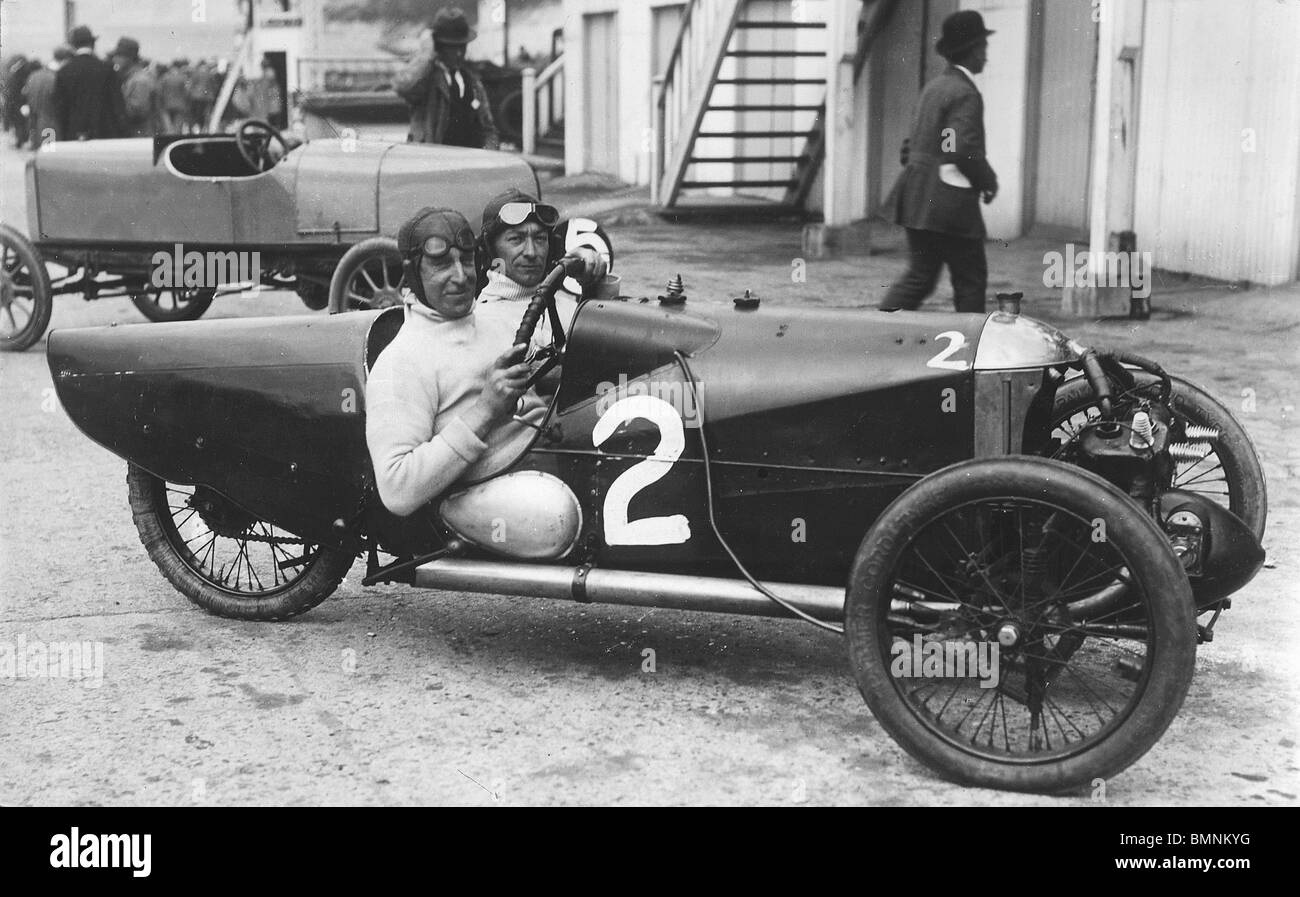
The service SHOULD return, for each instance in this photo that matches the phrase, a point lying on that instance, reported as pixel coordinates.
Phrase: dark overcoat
(948, 130)
(89, 100)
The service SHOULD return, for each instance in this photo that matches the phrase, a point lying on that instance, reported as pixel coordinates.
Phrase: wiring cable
(713, 523)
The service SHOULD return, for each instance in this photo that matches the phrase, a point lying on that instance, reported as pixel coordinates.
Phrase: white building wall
(1218, 180)
(1004, 86)
(634, 86)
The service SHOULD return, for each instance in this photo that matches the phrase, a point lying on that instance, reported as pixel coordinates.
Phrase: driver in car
(444, 402)
(513, 246)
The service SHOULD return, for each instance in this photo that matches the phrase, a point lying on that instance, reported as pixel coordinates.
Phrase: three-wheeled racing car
(1017, 533)
(100, 212)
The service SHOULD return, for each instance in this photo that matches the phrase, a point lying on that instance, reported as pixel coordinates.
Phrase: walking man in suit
(937, 196)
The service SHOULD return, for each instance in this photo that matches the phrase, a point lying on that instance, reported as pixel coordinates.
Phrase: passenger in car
(442, 398)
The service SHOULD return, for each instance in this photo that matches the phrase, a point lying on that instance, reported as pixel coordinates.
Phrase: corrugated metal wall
(1216, 77)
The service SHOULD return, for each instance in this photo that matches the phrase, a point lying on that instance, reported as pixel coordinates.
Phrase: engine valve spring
(1035, 561)
(1200, 432)
(1182, 451)
(1143, 434)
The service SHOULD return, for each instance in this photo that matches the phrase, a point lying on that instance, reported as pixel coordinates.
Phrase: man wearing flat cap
(448, 102)
(937, 197)
(86, 92)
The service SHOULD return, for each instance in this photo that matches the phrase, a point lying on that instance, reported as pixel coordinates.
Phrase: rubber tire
(1240, 460)
(324, 575)
(190, 311)
(42, 293)
(1141, 541)
(353, 259)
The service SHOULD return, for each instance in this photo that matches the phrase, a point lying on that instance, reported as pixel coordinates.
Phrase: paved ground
(392, 695)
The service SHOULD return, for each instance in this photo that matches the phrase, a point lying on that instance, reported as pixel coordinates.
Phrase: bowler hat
(961, 30)
(128, 47)
(82, 36)
(451, 27)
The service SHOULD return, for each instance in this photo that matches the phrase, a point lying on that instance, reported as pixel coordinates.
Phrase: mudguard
(266, 411)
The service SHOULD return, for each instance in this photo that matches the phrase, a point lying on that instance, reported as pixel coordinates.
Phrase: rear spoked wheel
(224, 559)
(26, 297)
(165, 305)
(1019, 623)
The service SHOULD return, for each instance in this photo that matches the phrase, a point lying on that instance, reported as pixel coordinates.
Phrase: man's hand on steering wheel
(253, 139)
(587, 266)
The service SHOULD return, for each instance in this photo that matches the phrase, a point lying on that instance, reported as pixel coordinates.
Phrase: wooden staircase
(740, 107)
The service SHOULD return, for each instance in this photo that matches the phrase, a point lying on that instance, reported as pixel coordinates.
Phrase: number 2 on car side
(673, 529)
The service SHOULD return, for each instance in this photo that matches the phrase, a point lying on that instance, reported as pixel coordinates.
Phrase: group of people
(81, 96)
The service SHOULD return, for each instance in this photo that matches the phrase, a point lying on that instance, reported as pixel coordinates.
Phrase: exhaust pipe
(629, 587)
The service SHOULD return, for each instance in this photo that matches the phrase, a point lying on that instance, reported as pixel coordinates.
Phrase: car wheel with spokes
(1214, 455)
(26, 298)
(164, 305)
(224, 559)
(368, 276)
(1020, 623)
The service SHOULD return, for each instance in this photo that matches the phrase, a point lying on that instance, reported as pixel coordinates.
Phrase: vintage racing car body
(103, 210)
(913, 475)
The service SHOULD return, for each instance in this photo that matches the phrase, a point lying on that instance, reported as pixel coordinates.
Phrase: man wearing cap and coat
(86, 92)
(448, 101)
(937, 196)
(39, 94)
(140, 100)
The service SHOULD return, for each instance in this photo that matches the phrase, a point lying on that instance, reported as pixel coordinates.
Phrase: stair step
(697, 185)
(743, 160)
(770, 81)
(741, 135)
(719, 208)
(777, 54)
(781, 25)
(766, 107)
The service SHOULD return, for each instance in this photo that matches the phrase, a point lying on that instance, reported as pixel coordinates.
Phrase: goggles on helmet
(513, 213)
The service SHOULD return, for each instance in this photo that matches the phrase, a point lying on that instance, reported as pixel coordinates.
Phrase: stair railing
(683, 94)
(542, 95)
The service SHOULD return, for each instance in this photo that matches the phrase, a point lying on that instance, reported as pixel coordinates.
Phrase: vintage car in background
(1017, 533)
(98, 211)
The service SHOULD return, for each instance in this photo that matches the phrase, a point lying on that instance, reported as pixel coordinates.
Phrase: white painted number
(671, 530)
(955, 343)
(582, 232)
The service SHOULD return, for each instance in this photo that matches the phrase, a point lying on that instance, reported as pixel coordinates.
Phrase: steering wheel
(254, 139)
(544, 301)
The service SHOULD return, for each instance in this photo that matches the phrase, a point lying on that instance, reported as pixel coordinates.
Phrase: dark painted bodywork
(817, 420)
(266, 411)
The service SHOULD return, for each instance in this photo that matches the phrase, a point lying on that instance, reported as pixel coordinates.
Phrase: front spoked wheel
(369, 276)
(1020, 623)
(224, 559)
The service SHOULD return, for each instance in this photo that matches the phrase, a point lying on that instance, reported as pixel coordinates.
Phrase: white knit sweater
(427, 377)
